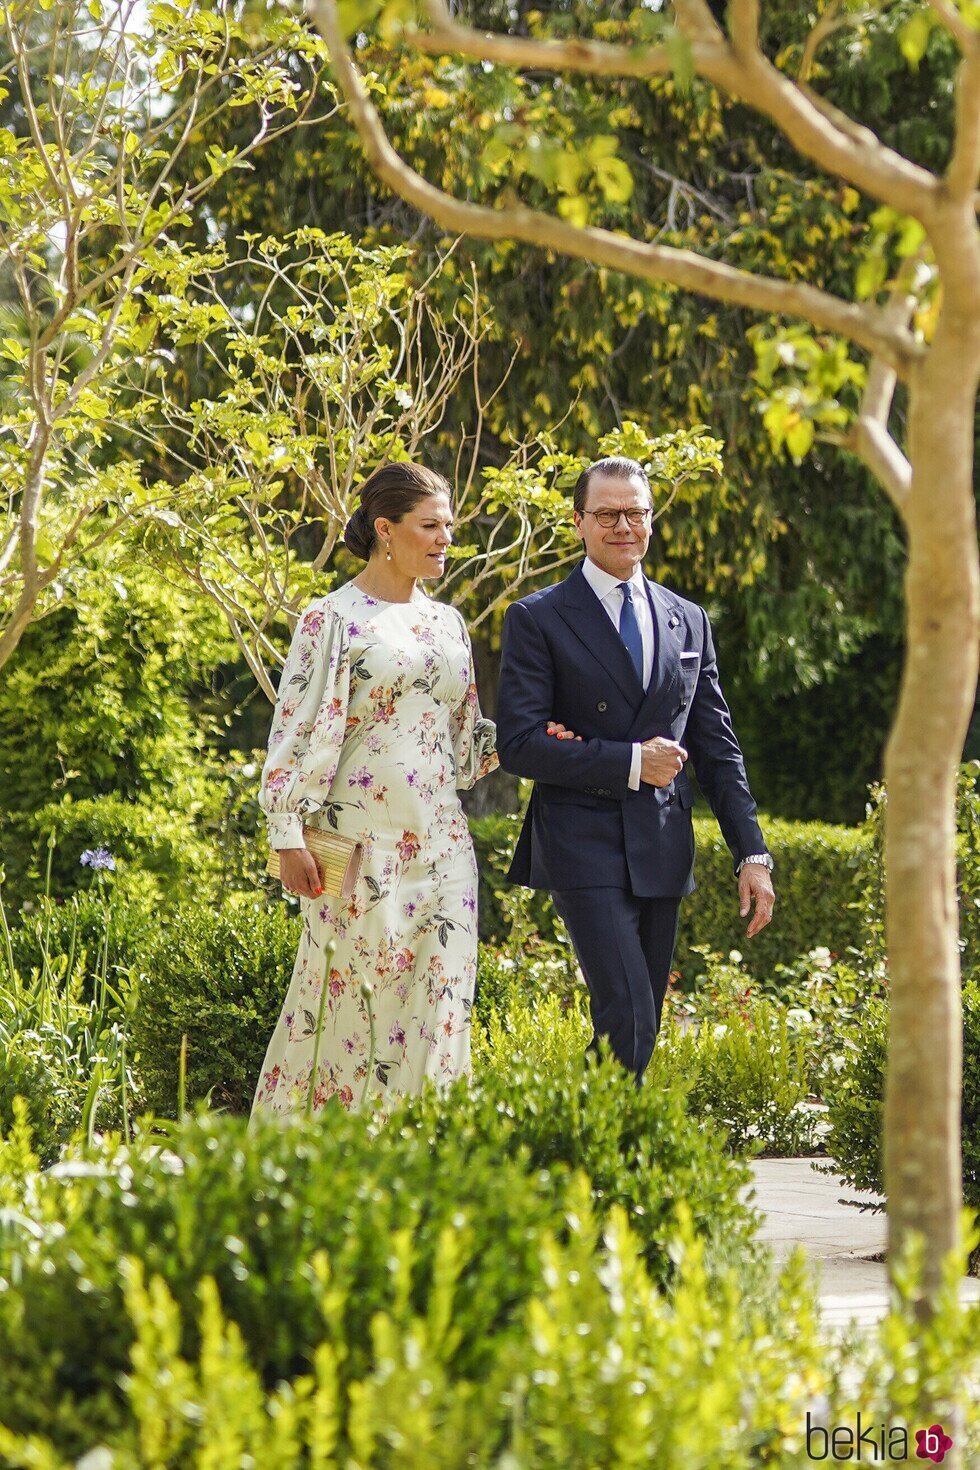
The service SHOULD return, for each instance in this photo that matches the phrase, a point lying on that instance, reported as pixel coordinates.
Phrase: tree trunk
(923, 1174)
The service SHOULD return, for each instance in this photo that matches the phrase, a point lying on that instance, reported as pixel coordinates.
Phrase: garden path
(803, 1206)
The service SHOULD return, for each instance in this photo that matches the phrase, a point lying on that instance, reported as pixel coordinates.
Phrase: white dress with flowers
(375, 730)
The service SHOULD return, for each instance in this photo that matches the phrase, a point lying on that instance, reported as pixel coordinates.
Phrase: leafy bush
(219, 977)
(102, 925)
(819, 875)
(595, 1367)
(750, 1074)
(639, 1145)
(159, 856)
(62, 1027)
(856, 1099)
(252, 1207)
(122, 656)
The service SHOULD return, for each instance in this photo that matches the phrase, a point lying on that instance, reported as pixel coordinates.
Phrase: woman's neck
(380, 579)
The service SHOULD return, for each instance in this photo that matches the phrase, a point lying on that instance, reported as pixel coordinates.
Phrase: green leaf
(575, 209)
(131, 144)
(92, 406)
(614, 179)
(870, 276)
(44, 549)
(913, 38)
(682, 59)
(799, 438)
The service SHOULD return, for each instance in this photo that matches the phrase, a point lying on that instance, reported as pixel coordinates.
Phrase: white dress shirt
(607, 589)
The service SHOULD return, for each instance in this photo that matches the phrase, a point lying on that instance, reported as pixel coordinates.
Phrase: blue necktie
(629, 629)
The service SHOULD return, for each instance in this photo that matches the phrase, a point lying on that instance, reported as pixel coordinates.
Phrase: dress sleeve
(474, 738)
(308, 725)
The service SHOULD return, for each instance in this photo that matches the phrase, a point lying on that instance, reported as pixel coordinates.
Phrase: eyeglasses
(610, 518)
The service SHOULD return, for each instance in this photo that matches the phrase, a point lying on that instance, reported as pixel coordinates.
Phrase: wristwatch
(756, 857)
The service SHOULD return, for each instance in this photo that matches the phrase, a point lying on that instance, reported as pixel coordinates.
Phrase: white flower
(735, 956)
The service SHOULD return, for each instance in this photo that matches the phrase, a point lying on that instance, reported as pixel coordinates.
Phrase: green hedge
(820, 873)
(252, 1207)
(219, 978)
(856, 1095)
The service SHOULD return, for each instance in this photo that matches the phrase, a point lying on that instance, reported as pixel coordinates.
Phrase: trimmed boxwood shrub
(251, 1207)
(218, 977)
(855, 1098)
(820, 874)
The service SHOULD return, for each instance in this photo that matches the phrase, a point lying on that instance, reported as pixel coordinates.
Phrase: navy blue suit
(616, 861)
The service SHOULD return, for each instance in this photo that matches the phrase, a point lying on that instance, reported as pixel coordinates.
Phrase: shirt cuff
(285, 830)
(635, 763)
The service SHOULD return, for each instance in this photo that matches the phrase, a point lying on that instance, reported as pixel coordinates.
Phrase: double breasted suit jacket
(562, 659)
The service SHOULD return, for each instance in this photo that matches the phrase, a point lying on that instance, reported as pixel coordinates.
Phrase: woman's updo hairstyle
(391, 493)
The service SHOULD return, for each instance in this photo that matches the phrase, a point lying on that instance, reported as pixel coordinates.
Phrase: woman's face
(419, 540)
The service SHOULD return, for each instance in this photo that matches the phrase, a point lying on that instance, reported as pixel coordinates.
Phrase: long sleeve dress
(376, 728)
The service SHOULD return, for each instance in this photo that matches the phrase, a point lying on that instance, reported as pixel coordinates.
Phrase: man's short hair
(617, 465)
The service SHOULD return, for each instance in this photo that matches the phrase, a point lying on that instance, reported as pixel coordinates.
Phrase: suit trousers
(624, 946)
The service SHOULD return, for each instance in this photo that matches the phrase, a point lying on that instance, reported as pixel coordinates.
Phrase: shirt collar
(602, 583)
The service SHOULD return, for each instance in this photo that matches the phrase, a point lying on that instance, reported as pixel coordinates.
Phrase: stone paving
(804, 1206)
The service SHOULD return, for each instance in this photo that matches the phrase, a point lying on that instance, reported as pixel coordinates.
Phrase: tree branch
(822, 134)
(964, 165)
(599, 58)
(682, 268)
(829, 22)
(869, 438)
(851, 153)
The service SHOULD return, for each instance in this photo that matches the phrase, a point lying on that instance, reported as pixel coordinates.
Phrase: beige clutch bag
(338, 859)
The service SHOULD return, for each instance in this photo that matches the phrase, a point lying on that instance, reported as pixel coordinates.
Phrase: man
(630, 668)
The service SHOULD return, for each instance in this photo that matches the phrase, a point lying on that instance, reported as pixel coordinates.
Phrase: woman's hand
(559, 731)
(299, 873)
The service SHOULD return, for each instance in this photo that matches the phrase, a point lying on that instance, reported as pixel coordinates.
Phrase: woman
(376, 728)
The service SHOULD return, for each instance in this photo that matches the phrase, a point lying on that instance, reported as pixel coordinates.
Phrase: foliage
(62, 1030)
(796, 562)
(252, 1209)
(855, 1096)
(819, 872)
(87, 197)
(542, 1399)
(218, 977)
(751, 1074)
(126, 771)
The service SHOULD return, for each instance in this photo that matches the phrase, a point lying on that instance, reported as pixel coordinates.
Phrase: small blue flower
(98, 857)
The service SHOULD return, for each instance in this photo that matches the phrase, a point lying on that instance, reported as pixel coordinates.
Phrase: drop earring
(387, 551)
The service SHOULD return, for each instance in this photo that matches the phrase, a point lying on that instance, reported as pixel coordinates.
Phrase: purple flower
(98, 857)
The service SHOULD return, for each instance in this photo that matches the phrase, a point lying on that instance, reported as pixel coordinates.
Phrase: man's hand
(559, 731)
(299, 873)
(755, 884)
(660, 761)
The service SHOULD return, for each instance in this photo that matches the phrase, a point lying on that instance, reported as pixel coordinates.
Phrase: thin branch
(683, 268)
(869, 438)
(829, 22)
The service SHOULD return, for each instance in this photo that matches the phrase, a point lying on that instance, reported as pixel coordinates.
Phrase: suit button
(670, 799)
(602, 706)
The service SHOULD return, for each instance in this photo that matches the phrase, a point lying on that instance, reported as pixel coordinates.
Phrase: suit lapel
(665, 680)
(592, 626)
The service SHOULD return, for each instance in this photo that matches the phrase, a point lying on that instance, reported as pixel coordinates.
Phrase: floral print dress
(376, 728)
